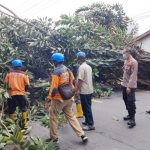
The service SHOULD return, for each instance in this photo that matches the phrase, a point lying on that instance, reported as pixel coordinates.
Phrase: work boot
(84, 122)
(126, 118)
(12, 116)
(131, 121)
(24, 117)
(84, 138)
(148, 112)
(89, 128)
(49, 140)
(79, 113)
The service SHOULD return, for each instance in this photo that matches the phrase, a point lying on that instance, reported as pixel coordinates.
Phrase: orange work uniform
(59, 77)
(17, 81)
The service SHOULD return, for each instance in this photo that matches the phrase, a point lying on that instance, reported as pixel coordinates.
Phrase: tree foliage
(19, 40)
(105, 14)
(99, 30)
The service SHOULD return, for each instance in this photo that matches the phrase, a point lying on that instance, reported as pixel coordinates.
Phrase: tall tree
(105, 14)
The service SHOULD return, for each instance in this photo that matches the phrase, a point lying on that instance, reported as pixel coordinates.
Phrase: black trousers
(129, 100)
(14, 101)
(86, 107)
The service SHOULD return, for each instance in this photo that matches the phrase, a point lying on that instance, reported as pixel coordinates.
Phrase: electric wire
(38, 7)
(25, 6)
(140, 14)
(46, 7)
(31, 7)
(21, 4)
(142, 17)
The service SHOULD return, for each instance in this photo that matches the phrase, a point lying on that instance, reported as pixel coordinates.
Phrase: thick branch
(8, 10)
(16, 17)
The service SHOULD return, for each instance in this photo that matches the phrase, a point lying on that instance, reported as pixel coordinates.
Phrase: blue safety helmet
(58, 57)
(17, 63)
(81, 54)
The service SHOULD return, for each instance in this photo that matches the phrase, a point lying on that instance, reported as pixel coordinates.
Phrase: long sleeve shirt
(59, 77)
(130, 70)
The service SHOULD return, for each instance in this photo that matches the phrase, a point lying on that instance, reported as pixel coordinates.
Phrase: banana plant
(37, 143)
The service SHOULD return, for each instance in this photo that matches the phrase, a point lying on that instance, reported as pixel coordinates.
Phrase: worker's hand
(76, 92)
(47, 105)
(128, 90)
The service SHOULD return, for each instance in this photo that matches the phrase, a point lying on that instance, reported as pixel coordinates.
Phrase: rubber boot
(24, 117)
(79, 113)
(12, 116)
(126, 118)
(132, 121)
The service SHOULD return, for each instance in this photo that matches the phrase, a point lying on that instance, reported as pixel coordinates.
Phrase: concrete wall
(145, 43)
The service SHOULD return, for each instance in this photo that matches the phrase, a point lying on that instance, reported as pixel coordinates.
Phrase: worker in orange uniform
(61, 75)
(18, 83)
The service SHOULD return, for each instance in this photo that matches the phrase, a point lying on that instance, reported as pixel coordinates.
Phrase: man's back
(60, 76)
(17, 80)
(85, 74)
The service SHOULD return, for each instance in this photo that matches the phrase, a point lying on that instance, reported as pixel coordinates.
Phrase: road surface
(109, 134)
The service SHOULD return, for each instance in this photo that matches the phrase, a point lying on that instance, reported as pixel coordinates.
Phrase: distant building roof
(143, 35)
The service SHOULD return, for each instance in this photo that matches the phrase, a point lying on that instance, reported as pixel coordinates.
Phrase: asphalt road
(109, 134)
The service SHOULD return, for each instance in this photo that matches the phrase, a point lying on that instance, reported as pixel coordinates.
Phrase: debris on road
(116, 119)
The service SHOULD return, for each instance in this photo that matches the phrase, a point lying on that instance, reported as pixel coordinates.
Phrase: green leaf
(1, 98)
(2, 90)
(28, 130)
(5, 85)
(2, 145)
(5, 133)
(25, 145)
(20, 136)
(52, 146)
(1, 138)
(17, 130)
(6, 139)
(33, 44)
(6, 95)
(15, 140)
(9, 120)
(35, 140)
(32, 147)
(9, 142)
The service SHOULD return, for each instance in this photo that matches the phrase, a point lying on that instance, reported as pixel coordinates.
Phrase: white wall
(145, 43)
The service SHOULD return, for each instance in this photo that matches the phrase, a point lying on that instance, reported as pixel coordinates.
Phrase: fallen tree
(143, 59)
(92, 29)
(99, 30)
